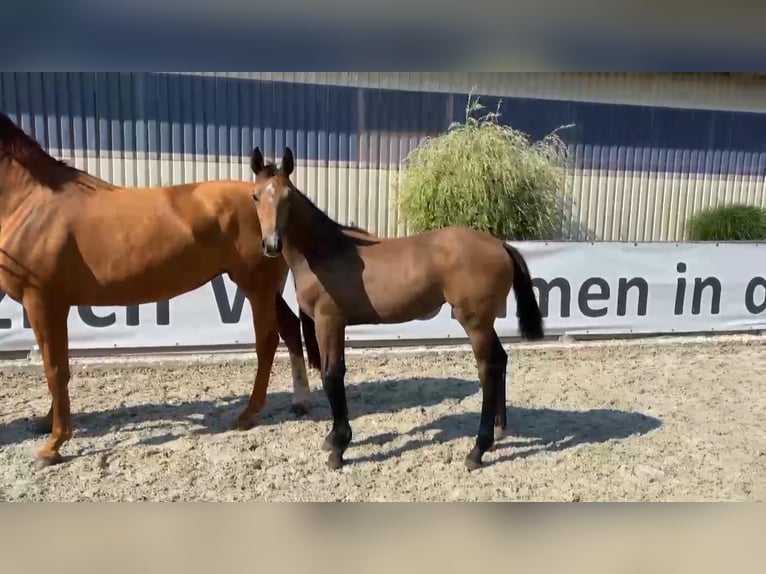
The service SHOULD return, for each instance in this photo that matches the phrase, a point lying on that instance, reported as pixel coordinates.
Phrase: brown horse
(348, 277)
(68, 238)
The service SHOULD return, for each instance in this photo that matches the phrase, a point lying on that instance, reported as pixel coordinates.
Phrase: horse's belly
(397, 307)
(431, 314)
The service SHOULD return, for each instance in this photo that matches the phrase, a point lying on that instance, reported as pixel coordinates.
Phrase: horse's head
(272, 198)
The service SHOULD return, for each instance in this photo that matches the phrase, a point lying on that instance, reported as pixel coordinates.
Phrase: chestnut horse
(68, 238)
(348, 277)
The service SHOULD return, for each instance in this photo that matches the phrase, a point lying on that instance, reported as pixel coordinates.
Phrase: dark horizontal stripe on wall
(629, 125)
(183, 114)
(671, 162)
(226, 117)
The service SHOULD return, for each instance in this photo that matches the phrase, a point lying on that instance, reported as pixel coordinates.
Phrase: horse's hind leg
(49, 324)
(498, 370)
(491, 360)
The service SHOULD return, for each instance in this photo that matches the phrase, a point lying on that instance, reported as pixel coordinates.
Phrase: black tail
(310, 337)
(530, 318)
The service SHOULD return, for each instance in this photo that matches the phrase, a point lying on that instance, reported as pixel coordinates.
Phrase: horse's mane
(367, 237)
(53, 173)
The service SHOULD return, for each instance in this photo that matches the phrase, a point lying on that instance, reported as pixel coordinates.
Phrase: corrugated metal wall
(725, 91)
(648, 150)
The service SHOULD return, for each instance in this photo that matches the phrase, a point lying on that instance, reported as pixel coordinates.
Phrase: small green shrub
(487, 176)
(728, 223)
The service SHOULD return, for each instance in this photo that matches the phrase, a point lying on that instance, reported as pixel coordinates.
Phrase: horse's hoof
(42, 426)
(327, 445)
(299, 409)
(335, 461)
(472, 464)
(499, 433)
(46, 459)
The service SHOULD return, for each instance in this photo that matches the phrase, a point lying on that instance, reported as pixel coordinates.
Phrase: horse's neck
(55, 175)
(312, 236)
(89, 181)
(16, 185)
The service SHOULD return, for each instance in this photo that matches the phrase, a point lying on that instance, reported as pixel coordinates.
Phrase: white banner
(583, 288)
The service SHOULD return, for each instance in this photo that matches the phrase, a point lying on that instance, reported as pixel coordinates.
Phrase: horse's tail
(530, 318)
(310, 336)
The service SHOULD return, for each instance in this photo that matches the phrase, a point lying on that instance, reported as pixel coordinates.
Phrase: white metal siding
(350, 131)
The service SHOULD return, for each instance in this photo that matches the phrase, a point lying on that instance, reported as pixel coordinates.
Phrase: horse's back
(193, 205)
(447, 247)
(164, 239)
(471, 254)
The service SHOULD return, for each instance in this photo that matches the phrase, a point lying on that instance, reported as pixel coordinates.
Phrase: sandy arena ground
(627, 421)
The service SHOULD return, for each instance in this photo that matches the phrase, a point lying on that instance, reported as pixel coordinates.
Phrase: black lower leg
(338, 439)
(485, 437)
(493, 411)
(498, 369)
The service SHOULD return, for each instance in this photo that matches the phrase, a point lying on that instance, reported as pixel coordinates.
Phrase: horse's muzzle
(272, 246)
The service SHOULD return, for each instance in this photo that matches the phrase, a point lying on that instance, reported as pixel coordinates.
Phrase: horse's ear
(287, 162)
(256, 161)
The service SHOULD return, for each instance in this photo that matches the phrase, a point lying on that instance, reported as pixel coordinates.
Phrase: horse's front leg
(330, 334)
(49, 323)
(266, 343)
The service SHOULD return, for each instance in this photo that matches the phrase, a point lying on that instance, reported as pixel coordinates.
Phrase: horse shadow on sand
(530, 430)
